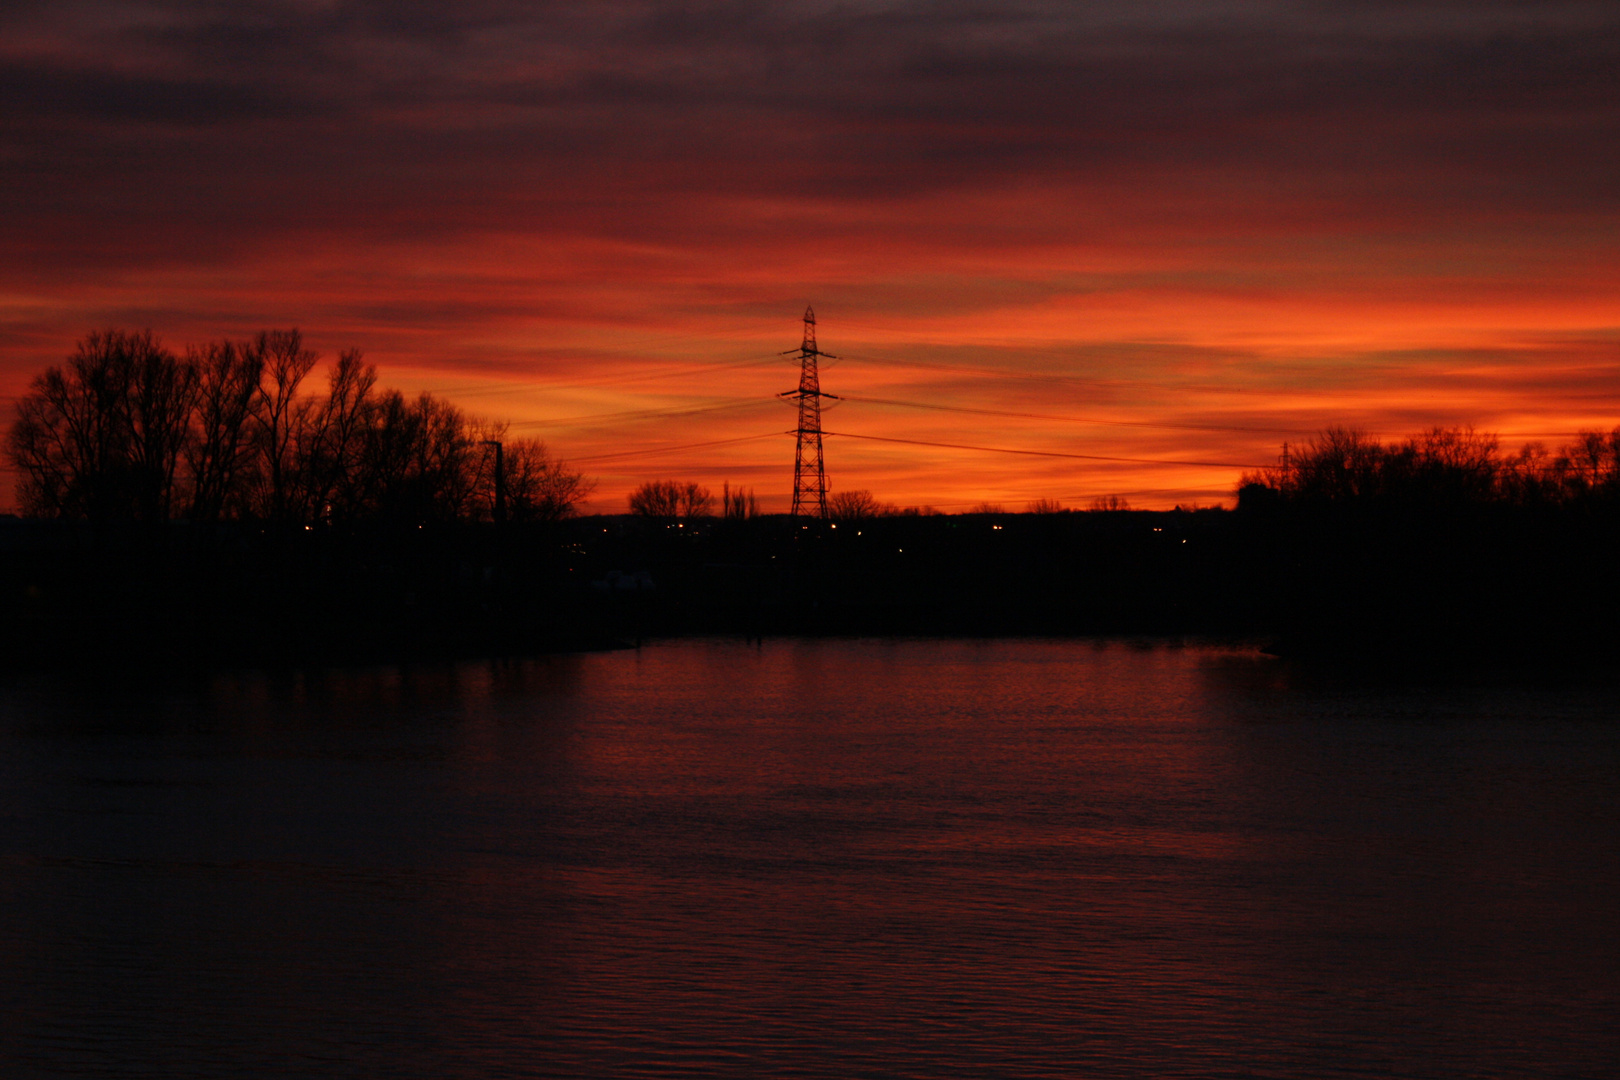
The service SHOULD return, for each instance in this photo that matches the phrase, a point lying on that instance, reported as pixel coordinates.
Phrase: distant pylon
(809, 472)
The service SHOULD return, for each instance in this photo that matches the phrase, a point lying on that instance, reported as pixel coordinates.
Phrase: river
(823, 858)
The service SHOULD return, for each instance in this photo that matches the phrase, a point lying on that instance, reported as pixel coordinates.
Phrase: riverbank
(1498, 588)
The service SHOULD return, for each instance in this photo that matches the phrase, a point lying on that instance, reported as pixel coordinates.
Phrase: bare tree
(382, 486)
(332, 443)
(1109, 502)
(446, 470)
(671, 499)
(1339, 463)
(219, 450)
(418, 462)
(1044, 506)
(102, 436)
(279, 414)
(539, 488)
(162, 392)
(738, 505)
(657, 499)
(696, 502)
(853, 505)
(1591, 460)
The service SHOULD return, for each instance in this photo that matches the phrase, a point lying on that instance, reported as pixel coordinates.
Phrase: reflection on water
(809, 859)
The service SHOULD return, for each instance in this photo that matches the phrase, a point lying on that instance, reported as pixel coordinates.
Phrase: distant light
(996, 527)
(835, 525)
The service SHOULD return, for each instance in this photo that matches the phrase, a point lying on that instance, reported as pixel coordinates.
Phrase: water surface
(827, 858)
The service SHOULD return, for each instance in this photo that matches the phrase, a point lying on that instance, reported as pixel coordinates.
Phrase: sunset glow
(1162, 239)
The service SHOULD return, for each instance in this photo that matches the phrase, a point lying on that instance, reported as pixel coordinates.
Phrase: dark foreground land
(1487, 583)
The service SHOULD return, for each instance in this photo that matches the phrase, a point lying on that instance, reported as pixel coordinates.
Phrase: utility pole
(500, 479)
(809, 472)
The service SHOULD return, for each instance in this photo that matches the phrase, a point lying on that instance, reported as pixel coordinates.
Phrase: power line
(645, 414)
(1002, 373)
(670, 449)
(1047, 453)
(508, 385)
(1075, 419)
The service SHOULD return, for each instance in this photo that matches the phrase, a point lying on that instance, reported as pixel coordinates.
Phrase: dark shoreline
(1499, 590)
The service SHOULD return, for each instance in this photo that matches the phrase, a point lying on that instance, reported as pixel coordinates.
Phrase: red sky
(1175, 233)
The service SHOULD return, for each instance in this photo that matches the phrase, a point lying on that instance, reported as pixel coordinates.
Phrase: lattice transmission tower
(809, 472)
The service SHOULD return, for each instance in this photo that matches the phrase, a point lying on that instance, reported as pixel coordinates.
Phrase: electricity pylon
(809, 473)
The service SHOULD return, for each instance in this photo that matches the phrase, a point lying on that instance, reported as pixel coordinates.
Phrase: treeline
(683, 500)
(1438, 548)
(127, 429)
(679, 500)
(1443, 467)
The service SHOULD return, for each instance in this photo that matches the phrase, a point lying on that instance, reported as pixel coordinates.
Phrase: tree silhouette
(279, 414)
(852, 505)
(738, 505)
(102, 436)
(538, 487)
(1441, 467)
(671, 499)
(330, 445)
(125, 429)
(220, 450)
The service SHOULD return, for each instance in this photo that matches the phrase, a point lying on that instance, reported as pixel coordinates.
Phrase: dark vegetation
(202, 506)
(1440, 547)
(205, 505)
(128, 431)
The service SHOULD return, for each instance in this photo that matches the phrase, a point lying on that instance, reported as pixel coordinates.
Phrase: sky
(1161, 239)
